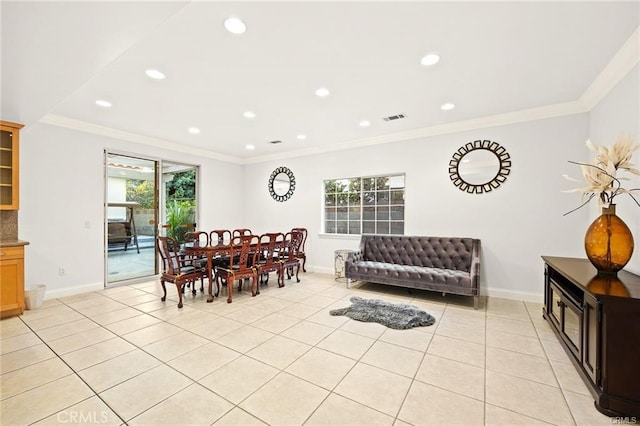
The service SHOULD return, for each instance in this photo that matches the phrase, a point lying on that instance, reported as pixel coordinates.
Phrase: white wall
(619, 113)
(62, 198)
(517, 223)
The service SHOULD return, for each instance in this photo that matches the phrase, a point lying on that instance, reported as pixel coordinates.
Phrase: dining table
(210, 252)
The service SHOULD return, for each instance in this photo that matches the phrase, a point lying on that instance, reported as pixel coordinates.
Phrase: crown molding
(531, 114)
(109, 132)
(622, 62)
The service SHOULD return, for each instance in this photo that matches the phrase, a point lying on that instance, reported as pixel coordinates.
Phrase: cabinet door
(11, 286)
(9, 173)
(591, 339)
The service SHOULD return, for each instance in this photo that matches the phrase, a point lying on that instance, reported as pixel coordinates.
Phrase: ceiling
(495, 58)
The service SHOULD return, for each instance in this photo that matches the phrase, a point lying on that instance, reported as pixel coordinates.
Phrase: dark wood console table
(597, 320)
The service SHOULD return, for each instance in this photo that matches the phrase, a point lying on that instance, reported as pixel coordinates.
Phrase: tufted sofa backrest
(432, 252)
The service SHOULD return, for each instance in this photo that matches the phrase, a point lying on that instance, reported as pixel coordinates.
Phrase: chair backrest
(197, 238)
(292, 242)
(268, 247)
(304, 233)
(220, 237)
(169, 253)
(243, 252)
(241, 231)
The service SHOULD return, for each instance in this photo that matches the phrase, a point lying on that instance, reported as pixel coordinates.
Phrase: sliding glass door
(131, 206)
(144, 197)
(180, 201)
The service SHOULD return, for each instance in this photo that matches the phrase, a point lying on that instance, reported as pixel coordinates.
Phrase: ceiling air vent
(275, 142)
(394, 117)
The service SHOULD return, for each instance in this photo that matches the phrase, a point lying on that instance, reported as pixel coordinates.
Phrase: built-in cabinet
(9, 165)
(597, 320)
(11, 248)
(11, 280)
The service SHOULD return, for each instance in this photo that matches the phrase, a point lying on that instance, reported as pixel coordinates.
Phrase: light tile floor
(121, 356)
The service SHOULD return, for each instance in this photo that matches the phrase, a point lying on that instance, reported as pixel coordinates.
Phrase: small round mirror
(479, 166)
(282, 183)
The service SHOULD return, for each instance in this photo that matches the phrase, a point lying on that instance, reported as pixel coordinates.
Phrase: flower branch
(601, 175)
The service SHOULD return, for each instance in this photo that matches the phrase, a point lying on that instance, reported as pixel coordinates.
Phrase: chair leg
(164, 291)
(281, 277)
(230, 288)
(180, 288)
(217, 281)
(297, 271)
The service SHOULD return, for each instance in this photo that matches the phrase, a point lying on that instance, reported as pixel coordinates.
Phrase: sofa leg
(476, 302)
(348, 282)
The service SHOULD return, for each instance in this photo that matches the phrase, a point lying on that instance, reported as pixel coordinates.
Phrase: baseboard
(321, 270)
(503, 293)
(72, 291)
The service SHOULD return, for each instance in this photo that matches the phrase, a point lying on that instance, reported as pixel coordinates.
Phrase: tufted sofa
(444, 264)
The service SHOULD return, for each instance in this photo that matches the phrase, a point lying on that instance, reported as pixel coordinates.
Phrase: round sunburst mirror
(479, 166)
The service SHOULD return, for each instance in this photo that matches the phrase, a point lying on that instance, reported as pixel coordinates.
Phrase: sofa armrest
(475, 266)
(355, 256)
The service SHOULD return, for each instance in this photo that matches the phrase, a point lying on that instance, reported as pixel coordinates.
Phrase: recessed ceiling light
(365, 123)
(103, 103)
(322, 92)
(155, 74)
(249, 114)
(250, 147)
(301, 137)
(430, 59)
(447, 107)
(235, 25)
(194, 130)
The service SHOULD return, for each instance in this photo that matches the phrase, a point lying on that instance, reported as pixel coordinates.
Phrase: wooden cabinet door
(591, 338)
(11, 281)
(9, 165)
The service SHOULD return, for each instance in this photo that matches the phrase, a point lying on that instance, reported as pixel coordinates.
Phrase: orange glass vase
(608, 242)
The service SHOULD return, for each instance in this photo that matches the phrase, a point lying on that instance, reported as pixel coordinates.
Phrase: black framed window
(364, 205)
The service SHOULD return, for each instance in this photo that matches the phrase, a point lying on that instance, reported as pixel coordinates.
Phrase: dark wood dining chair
(301, 252)
(220, 237)
(177, 268)
(197, 239)
(242, 256)
(241, 231)
(289, 258)
(267, 260)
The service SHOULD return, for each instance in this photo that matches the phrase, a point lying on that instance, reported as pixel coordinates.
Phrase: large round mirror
(281, 184)
(479, 166)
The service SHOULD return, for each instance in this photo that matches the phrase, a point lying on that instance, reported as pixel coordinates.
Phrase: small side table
(340, 258)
